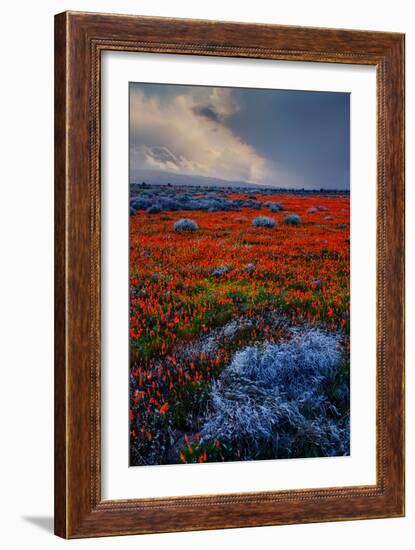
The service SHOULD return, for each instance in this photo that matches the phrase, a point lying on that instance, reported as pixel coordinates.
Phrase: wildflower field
(239, 324)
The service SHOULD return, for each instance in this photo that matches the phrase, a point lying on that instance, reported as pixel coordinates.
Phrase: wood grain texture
(60, 278)
(79, 40)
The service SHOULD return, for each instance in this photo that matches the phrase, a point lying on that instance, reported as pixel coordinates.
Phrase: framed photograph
(229, 275)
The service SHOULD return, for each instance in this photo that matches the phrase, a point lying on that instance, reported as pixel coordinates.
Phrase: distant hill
(155, 177)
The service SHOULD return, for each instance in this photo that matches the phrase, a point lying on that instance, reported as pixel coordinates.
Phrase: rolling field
(239, 324)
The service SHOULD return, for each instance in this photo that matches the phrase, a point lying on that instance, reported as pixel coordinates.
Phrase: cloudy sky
(280, 138)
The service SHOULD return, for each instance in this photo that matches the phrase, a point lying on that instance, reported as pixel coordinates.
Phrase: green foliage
(198, 451)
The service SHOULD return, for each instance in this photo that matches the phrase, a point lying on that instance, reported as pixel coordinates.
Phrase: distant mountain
(155, 177)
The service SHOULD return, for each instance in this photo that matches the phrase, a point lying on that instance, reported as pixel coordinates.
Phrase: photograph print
(239, 274)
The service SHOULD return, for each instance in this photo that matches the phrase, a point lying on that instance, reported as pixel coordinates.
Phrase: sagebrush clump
(221, 270)
(154, 209)
(275, 206)
(263, 221)
(292, 219)
(185, 224)
(175, 199)
(283, 400)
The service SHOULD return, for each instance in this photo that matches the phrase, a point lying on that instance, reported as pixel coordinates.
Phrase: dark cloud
(208, 111)
(162, 154)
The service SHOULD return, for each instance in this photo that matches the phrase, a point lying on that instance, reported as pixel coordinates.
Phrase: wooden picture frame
(79, 40)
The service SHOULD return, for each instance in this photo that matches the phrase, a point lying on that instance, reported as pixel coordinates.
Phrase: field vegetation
(239, 324)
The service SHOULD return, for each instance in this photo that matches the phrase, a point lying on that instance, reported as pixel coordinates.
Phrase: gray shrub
(185, 224)
(154, 209)
(171, 200)
(293, 219)
(275, 206)
(272, 400)
(263, 221)
(221, 270)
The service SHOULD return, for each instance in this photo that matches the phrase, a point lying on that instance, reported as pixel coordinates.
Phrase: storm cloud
(275, 137)
(187, 134)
